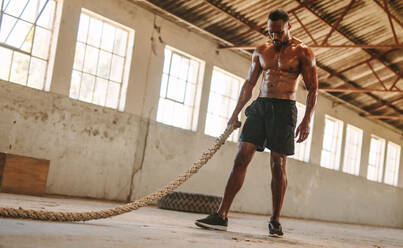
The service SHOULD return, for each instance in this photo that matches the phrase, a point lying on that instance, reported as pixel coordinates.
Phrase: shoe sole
(212, 227)
(274, 235)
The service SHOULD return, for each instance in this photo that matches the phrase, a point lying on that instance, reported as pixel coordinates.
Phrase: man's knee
(277, 161)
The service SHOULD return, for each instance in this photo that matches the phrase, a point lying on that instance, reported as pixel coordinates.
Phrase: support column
(366, 141)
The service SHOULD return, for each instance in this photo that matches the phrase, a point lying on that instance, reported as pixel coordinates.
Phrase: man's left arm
(308, 70)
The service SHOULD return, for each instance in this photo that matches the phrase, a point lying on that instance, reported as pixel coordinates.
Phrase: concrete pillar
(400, 177)
(366, 141)
(343, 146)
(66, 43)
(317, 138)
(208, 73)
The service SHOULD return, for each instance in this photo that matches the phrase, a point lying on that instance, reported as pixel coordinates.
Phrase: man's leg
(278, 182)
(219, 221)
(243, 157)
(278, 188)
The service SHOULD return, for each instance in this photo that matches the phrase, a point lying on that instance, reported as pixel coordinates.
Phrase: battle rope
(101, 214)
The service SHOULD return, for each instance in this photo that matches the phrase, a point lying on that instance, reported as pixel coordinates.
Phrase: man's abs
(279, 84)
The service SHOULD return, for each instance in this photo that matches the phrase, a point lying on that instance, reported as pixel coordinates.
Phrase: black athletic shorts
(271, 123)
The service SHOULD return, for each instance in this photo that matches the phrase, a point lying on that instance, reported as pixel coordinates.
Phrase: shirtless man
(271, 118)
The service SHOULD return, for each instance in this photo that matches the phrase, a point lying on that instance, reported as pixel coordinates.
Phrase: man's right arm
(247, 87)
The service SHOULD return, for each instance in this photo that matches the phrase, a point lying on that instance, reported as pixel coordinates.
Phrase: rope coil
(102, 214)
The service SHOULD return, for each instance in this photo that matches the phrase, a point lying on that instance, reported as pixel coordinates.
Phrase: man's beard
(279, 44)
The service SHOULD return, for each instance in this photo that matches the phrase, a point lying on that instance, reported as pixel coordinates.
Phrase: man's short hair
(278, 14)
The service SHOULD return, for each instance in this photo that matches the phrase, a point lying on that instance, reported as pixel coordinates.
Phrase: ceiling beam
(338, 21)
(330, 46)
(389, 117)
(326, 22)
(392, 16)
(322, 66)
(355, 90)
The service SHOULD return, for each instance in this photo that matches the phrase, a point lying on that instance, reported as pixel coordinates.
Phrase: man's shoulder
(264, 46)
(298, 43)
(301, 48)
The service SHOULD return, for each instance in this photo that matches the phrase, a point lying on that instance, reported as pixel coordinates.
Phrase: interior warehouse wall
(102, 153)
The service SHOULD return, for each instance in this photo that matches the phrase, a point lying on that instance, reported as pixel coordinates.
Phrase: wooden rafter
(392, 16)
(305, 29)
(376, 75)
(356, 90)
(389, 117)
(390, 22)
(365, 61)
(334, 27)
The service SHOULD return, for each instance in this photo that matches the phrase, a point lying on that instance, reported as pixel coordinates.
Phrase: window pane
(19, 68)
(18, 34)
(112, 98)
(87, 87)
(75, 84)
(79, 56)
(41, 43)
(108, 37)
(120, 42)
(46, 18)
(6, 26)
(37, 73)
(101, 88)
(91, 59)
(104, 64)
(94, 32)
(117, 68)
(176, 89)
(5, 63)
(15, 8)
(83, 28)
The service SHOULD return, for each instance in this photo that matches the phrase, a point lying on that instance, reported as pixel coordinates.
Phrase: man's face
(278, 32)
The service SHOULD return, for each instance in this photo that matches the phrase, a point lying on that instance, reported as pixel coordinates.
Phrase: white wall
(103, 153)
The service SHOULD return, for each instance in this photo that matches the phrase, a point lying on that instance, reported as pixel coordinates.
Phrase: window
(224, 93)
(330, 157)
(101, 63)
(302, 150)
(392, 164)
(25, 36)
(180, 90)
(376, 156)
(352, 150)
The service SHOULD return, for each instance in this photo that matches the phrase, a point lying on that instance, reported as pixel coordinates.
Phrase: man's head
(278, 27)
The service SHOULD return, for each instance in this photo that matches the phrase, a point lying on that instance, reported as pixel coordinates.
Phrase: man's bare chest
(285, 60)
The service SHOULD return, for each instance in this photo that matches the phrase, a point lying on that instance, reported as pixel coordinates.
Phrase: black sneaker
(275, 228)
(213, 221)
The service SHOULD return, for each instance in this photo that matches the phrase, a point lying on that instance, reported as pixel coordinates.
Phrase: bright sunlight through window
(392, 164)
(101, 62)
(25, 36)
(180, 90)
(352, 150)
(330, 157)
(224, 93)
(302, 150)
(376, 157)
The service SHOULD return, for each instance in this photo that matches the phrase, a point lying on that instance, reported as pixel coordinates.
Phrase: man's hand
(234, 121)
(303, 131)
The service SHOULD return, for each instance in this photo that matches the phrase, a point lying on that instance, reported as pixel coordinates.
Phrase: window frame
(52, 29)
(198, 88)
(126, 65)
(356, 168)
(337, 153)
(235, 135)
(381, 159)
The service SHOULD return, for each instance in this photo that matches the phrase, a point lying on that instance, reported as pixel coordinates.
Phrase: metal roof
(358, 44)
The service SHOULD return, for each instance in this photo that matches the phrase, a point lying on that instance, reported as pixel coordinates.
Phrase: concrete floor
(152, 227)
